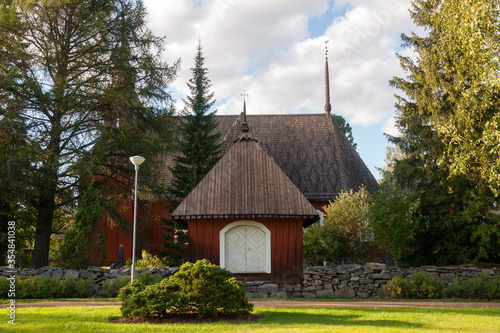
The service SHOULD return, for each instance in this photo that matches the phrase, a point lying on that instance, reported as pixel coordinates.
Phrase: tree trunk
(42, 236)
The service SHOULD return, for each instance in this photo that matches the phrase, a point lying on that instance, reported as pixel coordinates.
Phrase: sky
(274, 50)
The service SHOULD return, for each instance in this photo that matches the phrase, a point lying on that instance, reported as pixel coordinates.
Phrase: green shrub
(426, 286)
(111, 288)
(420, 285)
(43, 287)
(148, 261)
(75, 288)
(481, 287)
(321, 243)
(347, 218)
(37, 287)
(4, 287)
(148, 278)
(396, 288)
(202, 288)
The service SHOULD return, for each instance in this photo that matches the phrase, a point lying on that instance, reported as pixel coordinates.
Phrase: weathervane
(244, 94)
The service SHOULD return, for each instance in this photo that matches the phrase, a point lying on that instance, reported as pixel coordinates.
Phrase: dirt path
(296, 304)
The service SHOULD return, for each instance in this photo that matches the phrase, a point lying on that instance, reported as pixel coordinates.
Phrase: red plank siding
(149, 230)
(286, 244)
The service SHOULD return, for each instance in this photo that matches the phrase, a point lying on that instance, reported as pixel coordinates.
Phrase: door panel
(245, 250)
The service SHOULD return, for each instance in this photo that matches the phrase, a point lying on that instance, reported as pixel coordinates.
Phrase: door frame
(222, 241)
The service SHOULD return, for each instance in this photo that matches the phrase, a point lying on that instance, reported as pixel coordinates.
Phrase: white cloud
(263, 47)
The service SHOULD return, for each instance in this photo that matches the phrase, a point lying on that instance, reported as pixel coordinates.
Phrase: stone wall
(97, 274)
(354, 281)
(343, 281)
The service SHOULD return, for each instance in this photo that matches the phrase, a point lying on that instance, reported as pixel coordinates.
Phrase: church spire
(328, 106)
(244, 123)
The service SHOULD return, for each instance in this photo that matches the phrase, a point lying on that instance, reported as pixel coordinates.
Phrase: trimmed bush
(111, 288)
(43, 287)
(202, 288)
(481, 287)
(420, 285)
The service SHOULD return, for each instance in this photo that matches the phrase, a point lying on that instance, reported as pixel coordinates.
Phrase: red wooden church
(277, 173)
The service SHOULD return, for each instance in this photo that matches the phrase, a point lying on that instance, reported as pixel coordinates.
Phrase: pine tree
(199, 151)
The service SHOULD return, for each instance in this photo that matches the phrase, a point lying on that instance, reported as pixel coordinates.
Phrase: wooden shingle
(246, 182)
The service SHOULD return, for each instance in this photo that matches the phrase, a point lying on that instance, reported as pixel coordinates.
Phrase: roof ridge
(274, 115)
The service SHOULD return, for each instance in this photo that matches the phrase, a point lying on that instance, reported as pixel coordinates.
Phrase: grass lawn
(96, 319)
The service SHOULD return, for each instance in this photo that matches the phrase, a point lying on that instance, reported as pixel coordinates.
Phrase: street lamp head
(137, 160)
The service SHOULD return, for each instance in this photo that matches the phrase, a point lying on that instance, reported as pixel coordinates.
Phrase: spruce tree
(81, 243)
(456, 227)
(63, 69)
(345, 127)
(199, 150)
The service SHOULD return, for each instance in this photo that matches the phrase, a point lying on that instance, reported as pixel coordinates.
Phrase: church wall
(286, 244)
(318, 205)
(149, 230)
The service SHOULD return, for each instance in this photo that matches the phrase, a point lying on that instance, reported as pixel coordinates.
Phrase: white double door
(245, 249)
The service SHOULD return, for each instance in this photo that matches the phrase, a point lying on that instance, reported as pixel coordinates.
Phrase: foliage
(345, 128)
(175, 239)
(111, 288)
(62, 93)
(481, 287)
(394, 217)
(148, 261)
(80, 243)
(347, 218)
(199, 151)
(202, 288)
(426, 286)
(43, 287)
(321, 244)
(420, 285)
(396, 288)
(198, 147)
(462, 76)
(454, 204)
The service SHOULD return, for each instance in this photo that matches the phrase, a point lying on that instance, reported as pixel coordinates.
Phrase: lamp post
(136, 160)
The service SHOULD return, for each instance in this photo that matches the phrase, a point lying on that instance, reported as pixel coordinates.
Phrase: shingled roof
(246, 182)
(310, 149)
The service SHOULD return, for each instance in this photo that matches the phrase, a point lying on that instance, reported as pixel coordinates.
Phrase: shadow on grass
(291, 317)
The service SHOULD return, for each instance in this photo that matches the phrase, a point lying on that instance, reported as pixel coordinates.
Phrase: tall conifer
(199, 150)
(456, 227)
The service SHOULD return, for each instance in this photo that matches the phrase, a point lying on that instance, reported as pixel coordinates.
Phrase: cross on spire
(244, 123)
(328, 106)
